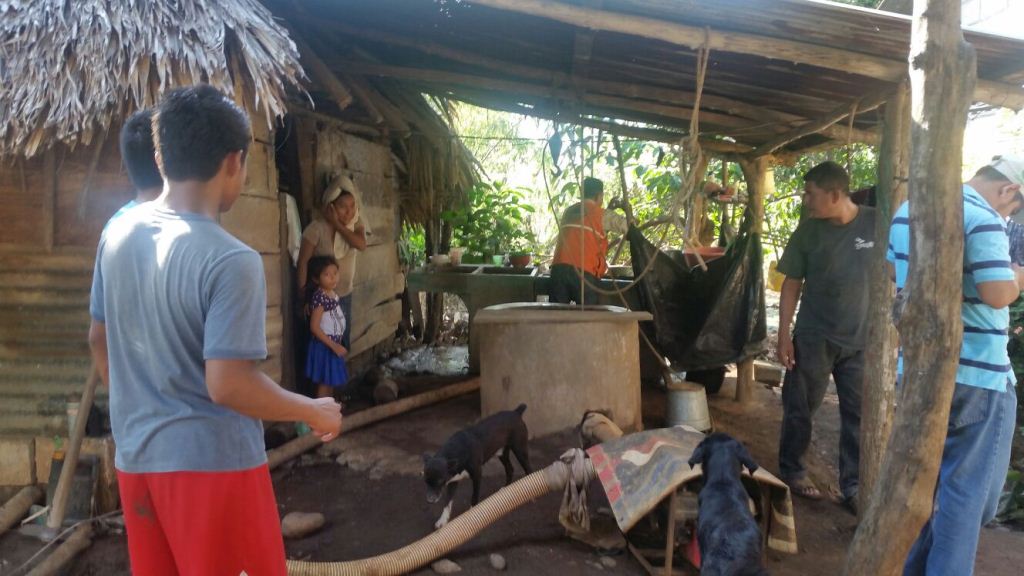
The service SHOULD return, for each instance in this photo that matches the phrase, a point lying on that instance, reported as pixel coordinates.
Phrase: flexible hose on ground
(457, 532)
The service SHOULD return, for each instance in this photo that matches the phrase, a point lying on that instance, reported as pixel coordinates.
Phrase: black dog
(729, 538)
(465, 453)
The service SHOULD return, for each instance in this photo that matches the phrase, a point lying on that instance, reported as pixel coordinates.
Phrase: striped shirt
(984, 361)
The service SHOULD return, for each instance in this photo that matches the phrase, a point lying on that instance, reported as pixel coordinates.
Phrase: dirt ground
(375, 501)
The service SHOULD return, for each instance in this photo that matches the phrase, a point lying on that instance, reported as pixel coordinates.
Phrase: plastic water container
(687, 405)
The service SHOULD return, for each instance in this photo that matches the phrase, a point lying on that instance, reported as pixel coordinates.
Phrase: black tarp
(703, 319)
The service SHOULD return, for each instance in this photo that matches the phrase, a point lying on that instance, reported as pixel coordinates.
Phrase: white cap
(1010, 166)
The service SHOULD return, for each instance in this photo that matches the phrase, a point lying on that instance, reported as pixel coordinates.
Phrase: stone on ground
(445, 566)
(301, 524)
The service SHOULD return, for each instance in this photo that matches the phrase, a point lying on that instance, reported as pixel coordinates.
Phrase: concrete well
(560, 361)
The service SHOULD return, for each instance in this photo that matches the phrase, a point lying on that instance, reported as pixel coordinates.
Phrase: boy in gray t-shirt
(827, 259)
(178, 309)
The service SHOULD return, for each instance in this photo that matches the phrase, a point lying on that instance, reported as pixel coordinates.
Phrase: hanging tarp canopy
(703, 318)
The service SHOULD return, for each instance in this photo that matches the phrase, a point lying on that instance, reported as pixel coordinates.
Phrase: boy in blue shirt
(983, 412)
(178, 312)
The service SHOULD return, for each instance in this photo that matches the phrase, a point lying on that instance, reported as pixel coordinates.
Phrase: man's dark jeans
(565, 285)
(802, 394)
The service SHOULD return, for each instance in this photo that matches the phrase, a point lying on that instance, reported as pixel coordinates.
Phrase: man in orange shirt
(582, 247)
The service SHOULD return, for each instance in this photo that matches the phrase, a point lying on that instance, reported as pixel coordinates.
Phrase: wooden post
(880, 353)
(942, 74)
(760, 177)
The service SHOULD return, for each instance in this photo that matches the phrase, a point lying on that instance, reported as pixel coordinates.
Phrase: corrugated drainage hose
(457, 532)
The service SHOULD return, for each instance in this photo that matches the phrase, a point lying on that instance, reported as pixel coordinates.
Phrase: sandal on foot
(805, 489)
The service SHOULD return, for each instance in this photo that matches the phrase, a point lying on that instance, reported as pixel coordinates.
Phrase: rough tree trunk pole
(880, 354)
(942, 75)
(760, 177)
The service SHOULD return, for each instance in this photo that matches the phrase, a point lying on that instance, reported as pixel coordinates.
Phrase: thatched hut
(71, 72)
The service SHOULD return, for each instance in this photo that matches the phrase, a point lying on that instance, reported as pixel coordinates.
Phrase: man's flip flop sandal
(805, 489)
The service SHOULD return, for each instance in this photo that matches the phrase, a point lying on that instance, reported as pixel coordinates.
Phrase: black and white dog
(465, 453)
(729, 537)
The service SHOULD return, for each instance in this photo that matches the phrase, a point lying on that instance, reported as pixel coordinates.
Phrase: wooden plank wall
(52, 222)
(324, 149)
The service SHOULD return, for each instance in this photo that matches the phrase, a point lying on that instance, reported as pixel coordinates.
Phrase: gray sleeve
(793, 263)
(96, 307)
(235, 325)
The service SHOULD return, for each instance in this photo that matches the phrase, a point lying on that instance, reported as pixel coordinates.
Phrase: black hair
(195, 129)
(991, 174)
(137, 151)
(592, 188)
(317, 265)
(829, 176)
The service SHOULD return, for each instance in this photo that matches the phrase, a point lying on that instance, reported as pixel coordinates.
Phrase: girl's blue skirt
(324, 366)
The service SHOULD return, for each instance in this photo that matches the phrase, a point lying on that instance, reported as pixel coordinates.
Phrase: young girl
(325, 362)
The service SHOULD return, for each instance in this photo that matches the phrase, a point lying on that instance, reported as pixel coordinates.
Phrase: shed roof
(68, 69)
(774, 65)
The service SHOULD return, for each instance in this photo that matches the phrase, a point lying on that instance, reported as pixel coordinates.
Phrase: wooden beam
(362, 94)
(879, 391)
(693, 37)
(338, 91)
(942, 79)
(388, 112)
(624, 89)
(516, 87)
(710, 145)
(842, 111)
(340, 123)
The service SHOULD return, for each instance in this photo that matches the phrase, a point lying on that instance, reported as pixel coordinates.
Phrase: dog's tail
(520, 409)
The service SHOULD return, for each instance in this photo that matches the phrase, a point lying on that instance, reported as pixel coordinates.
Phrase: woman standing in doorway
(339, 233)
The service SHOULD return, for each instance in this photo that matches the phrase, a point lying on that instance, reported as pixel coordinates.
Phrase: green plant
(495, 220)
(412, 247)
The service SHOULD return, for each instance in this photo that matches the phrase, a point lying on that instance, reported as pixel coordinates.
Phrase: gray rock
(301, 524)
(608, 562)
(445, 566)
(498, 562)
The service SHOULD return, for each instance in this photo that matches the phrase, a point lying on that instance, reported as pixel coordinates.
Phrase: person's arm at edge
(788, 299)
(355, 238)
(302, 266)
(98, 350)
(242, 387)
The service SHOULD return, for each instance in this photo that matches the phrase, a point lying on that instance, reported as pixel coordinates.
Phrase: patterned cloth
(637, 471)
(333, 320)
(1016, 233)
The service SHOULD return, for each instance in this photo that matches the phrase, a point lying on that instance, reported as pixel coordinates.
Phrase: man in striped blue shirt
(983, 412)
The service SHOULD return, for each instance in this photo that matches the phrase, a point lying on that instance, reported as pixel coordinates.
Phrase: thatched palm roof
(69, 68)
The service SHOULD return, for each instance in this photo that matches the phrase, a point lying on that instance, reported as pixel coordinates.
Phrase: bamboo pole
(694, 37)
(880, 353)
(79, 540)
(58, 507)
(304, 444)
(942, 77)
(17, 507)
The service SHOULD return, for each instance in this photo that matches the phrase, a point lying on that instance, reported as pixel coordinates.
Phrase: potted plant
(522, 252)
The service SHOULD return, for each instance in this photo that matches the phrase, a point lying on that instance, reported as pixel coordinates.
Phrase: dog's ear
(698, 456)
(745, 458)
